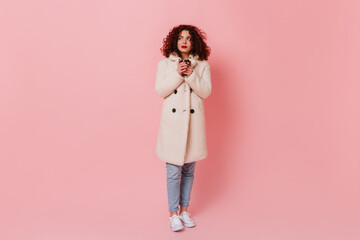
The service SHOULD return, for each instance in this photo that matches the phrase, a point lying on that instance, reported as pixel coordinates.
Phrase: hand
(188, 71)
(183, 68)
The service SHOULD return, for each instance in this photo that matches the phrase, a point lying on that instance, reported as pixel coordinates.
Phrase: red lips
(184, 46)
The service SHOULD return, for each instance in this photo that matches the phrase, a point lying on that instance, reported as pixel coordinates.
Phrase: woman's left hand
(188, 71)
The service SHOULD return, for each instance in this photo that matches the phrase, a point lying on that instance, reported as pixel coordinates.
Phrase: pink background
(79, 118)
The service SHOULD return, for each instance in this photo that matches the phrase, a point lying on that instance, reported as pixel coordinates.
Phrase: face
(184, 42)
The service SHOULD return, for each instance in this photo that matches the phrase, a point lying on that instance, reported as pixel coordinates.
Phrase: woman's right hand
(182, 66)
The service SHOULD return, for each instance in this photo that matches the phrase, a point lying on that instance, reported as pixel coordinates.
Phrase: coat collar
(175, 59)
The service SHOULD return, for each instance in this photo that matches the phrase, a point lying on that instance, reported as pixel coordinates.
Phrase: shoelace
(178, 221)
(186, 216)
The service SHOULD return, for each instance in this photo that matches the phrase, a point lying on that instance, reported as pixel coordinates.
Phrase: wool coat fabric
(182, 135)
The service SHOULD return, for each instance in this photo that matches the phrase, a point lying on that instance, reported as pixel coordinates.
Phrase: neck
(184, 56)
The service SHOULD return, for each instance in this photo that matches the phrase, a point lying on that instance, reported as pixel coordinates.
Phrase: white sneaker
(188, 222)
(175, 222)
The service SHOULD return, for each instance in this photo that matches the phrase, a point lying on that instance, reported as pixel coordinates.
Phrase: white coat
(182, 136)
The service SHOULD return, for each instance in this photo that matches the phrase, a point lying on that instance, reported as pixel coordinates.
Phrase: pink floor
(259, 209)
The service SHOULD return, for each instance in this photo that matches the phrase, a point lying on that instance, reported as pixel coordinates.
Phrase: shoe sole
(189, 225)
(186, 225)
(177, 229)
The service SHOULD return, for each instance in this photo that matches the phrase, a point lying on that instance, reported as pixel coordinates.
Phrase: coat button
(192, 110)
(175, 91)
(190, 89)
(174, 110)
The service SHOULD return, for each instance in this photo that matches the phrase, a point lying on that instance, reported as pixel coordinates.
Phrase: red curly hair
(198, 37)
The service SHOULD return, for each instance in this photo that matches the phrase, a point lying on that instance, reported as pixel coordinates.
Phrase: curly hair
(198, 37)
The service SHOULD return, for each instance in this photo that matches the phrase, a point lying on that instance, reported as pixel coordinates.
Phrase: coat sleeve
(200, 82)
(167, 80)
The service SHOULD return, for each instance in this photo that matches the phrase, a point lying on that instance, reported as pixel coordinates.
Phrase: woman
(181, 138)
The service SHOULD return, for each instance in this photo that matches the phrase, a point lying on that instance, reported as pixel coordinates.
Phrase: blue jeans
(179, 183)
